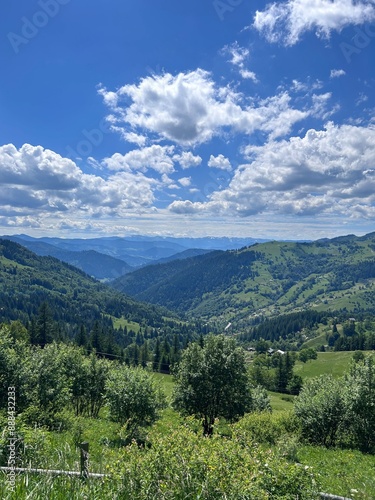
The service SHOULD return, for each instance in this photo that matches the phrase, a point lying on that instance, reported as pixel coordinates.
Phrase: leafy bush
(340, 411)
(320, 408)
(133, 398)
(184, 465)
(360, 404)
(260, 400)
(264, 428)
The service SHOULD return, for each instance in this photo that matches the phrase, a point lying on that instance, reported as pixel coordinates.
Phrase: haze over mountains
(111, 257)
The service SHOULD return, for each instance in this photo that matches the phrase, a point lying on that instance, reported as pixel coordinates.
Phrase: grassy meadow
(341, 472)
(330, 363)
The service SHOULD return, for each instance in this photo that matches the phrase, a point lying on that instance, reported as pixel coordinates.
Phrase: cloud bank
(326, 171)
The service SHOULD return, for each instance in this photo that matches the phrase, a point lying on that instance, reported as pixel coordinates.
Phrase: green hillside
(27, 281)
(263, 280)
(95, 264)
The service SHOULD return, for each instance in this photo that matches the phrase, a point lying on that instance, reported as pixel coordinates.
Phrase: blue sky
(219, 117)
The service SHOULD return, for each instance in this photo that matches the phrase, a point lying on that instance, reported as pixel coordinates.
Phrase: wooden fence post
(84, 459)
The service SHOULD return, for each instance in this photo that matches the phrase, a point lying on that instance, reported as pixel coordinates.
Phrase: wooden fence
(84, 472)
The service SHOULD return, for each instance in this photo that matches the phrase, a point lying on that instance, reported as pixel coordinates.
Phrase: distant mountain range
(111, 257)
(96, 264)
(241, 287)
(28, 280)
(263, 280)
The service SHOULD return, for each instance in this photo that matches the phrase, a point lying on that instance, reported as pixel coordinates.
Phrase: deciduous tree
(212, 382)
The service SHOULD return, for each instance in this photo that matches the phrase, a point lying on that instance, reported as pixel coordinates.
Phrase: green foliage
(340, 411)
(133, 398)
(360, 404)
(305, 354)
(265, 427)
(358, 356)
(295, 384)
(11, 353)
(275, 373)
(49, 380)
(46, 385)
(87, 378)
(183, 465)
(320, 407)
(260, 400)
(212, 382)
(178, 465)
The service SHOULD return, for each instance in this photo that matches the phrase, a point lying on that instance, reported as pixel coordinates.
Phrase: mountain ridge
(28, 280)
(263, 279)
(116, 255)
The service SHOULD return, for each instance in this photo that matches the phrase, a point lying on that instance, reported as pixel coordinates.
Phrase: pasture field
(332, 363)
(344, 472)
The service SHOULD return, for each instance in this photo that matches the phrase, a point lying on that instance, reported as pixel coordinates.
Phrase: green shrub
(184, 465)
(31, 445)
(360, 404)
(262, 428)
(320, 407)
(133, 398)
(260, 400)
(340, 411)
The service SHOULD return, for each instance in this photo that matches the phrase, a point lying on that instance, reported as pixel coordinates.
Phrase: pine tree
(284, 371)
(136, 354)
(33, 332)
(96, 337)
(175, 354)
(144, 354)
(157, 356)
(44, 325)
(82, 337)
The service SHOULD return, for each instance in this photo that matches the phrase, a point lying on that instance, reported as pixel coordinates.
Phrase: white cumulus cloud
(220, 162)
(34, 180)
(326, 171)
(285, 22)
(190, 109)
(186, 159)
(185, 181)
(158, 158)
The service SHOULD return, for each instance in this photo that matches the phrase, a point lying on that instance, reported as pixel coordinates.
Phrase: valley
(291, 311)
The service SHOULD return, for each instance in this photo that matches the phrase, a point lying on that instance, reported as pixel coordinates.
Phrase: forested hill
(264, 279)
(182, 284)
(99, 265)
(27, 281)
